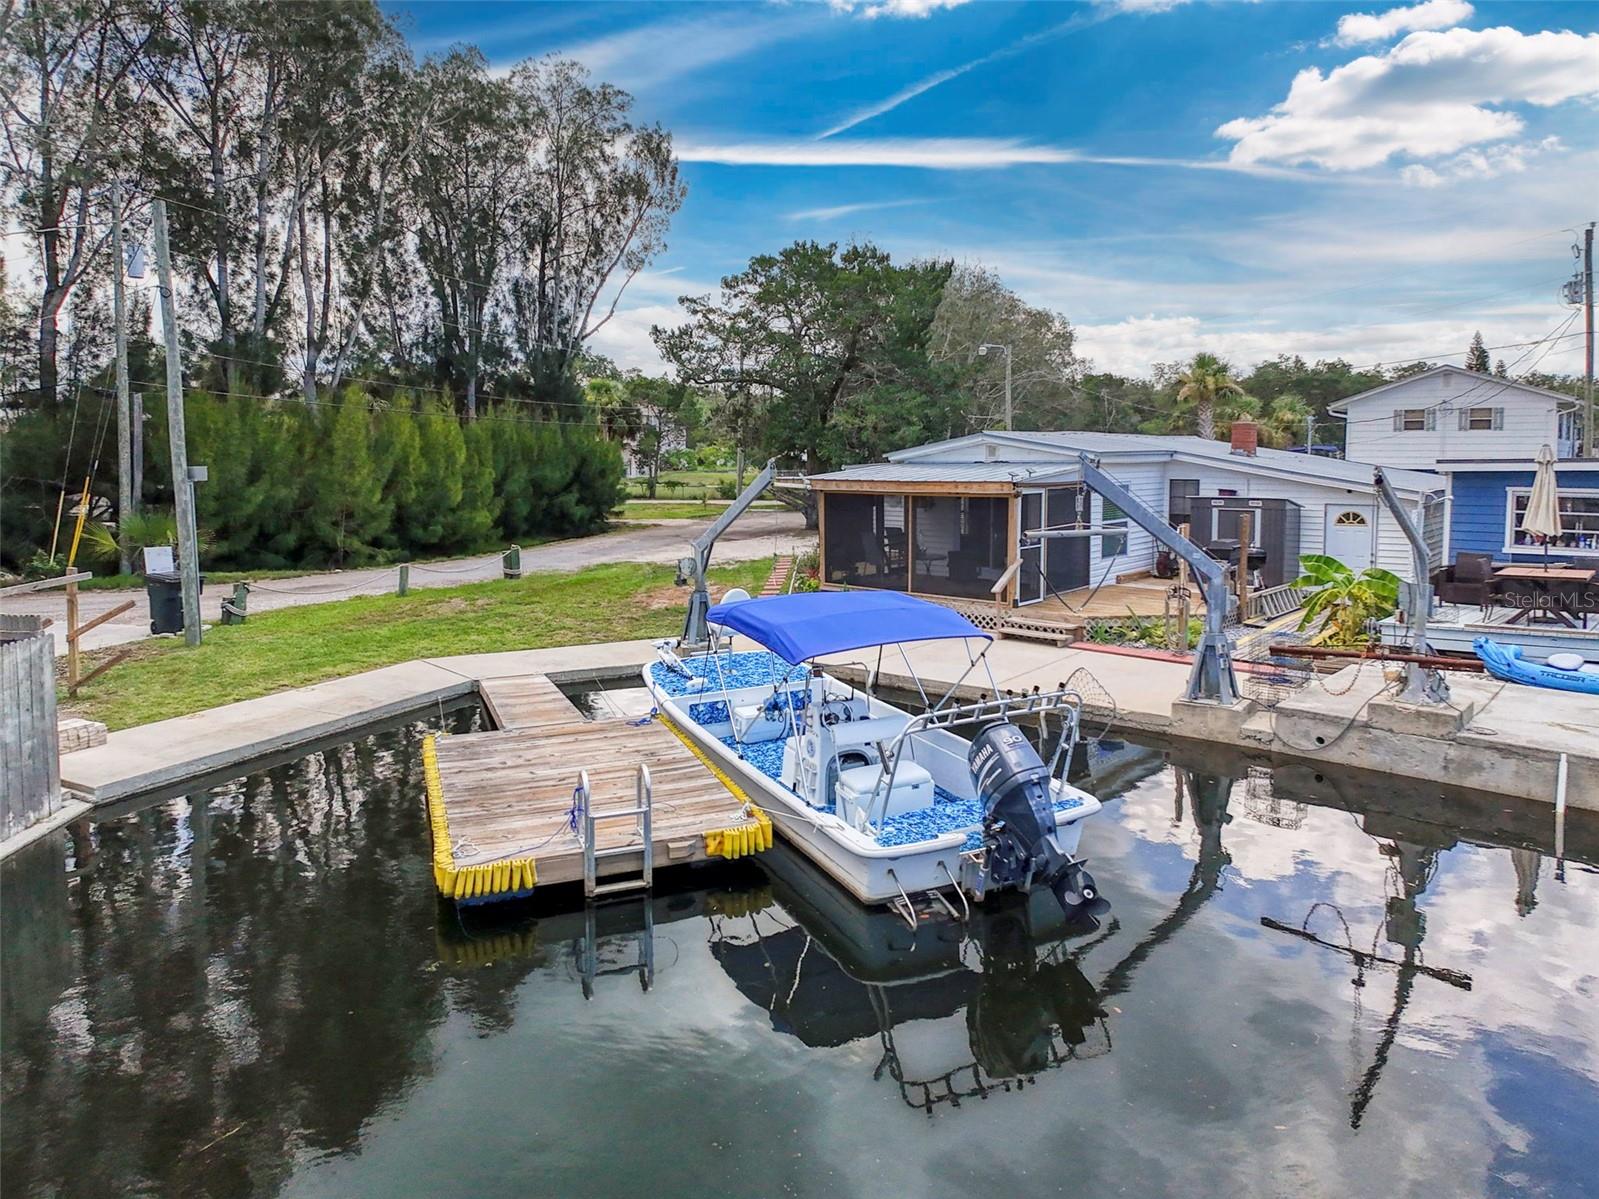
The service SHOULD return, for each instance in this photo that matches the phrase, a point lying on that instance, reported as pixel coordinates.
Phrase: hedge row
(346, 482)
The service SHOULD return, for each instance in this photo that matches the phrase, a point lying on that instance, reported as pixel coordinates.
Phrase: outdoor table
(1548, 577)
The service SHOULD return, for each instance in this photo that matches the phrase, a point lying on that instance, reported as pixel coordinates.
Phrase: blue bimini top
(805, 626)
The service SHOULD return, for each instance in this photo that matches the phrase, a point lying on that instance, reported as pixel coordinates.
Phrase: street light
(982, 352)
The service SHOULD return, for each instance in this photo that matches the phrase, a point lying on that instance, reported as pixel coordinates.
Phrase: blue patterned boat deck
(949, 813)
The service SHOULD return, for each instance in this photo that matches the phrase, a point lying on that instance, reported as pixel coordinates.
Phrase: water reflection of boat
(961, 1010)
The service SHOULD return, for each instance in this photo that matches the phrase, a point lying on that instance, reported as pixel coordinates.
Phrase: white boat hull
(871, 872)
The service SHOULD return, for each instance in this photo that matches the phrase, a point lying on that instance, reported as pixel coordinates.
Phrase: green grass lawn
(685, 484)
(663, 509)
(293, 647)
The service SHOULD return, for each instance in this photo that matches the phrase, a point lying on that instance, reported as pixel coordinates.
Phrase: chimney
(1246, 436)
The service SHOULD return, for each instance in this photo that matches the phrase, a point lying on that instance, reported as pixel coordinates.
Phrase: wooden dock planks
(504, 802)
(526, 702)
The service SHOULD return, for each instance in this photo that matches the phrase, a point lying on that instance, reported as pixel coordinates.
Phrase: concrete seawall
(1500, 739)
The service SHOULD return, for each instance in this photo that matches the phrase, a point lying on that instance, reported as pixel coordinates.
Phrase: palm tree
(1284, 423)
(1206, 385)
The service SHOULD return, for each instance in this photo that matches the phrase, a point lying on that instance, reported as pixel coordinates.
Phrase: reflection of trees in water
(253, 979)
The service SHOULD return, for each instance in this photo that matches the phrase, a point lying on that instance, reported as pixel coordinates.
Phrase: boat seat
(913, 791)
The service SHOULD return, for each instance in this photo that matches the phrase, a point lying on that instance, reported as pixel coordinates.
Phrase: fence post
(403, 586)
(513, 562)
(235, 610)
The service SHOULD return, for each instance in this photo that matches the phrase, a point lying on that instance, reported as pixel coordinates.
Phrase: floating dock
(557, 798)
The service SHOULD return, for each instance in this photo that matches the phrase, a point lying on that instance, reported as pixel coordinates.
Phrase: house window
(1350, 520)
(1113, 545)
(1483, 419)
(1579, 521)
(1414, 420)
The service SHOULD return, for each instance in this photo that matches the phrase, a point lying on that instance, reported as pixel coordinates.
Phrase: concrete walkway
(169, 752)
(758, 534)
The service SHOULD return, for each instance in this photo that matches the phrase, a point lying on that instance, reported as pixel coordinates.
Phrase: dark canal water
(1308, 986)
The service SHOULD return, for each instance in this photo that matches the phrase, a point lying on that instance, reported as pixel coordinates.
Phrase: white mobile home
(949, 519)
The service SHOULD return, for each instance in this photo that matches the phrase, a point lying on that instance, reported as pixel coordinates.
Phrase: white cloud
(1142, 6)
(836, 211)
(932, 153)
(894, 8)
(945, 154)
(625, 338)
(650, 55)
(1133, 345)
(1357, 27)
(1424, 98)
(1486, 163)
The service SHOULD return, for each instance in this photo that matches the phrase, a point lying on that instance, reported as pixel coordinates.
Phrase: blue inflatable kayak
(1505, 662)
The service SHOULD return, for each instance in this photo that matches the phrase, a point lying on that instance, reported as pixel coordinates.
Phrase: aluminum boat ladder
(589, 820)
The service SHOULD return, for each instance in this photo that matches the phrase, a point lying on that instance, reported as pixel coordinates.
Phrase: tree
(618, 417)
(69, 119)
(600, 193)
(1207, 388)
(834, 346)
(977, 309)
(1477, 356)
(467, 180)
(664, 407)
(1285, 421)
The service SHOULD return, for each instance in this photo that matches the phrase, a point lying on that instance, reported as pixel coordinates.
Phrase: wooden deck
(1136, 597)
(503, 804)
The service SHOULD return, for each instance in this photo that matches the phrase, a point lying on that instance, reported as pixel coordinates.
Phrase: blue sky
(1367, 181)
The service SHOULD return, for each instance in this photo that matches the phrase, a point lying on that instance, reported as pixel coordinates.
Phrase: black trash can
(165, 592)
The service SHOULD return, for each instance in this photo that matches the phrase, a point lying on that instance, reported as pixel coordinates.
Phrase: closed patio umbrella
(1542, 518)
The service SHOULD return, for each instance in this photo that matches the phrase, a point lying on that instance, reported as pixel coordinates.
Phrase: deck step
(1039, 628)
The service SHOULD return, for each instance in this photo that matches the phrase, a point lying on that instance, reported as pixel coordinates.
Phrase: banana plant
(1344, 602)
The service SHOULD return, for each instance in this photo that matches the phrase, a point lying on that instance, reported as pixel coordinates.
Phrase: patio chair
(1469, 581)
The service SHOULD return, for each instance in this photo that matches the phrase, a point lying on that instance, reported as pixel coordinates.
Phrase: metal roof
(1113, 446)
(941, 472)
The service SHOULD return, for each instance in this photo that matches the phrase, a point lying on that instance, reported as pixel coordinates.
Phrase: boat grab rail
(1063, 700)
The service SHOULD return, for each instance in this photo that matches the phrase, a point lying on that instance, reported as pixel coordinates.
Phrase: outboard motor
(1019, 820)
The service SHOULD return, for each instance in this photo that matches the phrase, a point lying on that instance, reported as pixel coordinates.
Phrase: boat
(1560, 673)
(888, 803)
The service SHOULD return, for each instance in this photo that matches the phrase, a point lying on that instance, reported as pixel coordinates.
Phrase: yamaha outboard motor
(1019, 820)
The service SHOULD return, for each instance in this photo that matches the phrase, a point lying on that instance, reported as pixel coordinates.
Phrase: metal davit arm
(1212, 677)
(1422, 686)
(692, 569)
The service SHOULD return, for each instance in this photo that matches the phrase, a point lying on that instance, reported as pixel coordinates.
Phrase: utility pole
(127, 498)
(1587, 305)
(182, 486)
(1310, 431)
(982, 352)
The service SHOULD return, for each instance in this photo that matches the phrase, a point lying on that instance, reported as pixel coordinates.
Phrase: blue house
(1487, 500)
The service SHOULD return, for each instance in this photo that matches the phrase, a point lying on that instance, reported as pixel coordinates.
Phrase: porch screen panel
(961, 545)
(865, 540)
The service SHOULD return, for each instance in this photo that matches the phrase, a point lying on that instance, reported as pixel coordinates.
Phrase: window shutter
(1499, 418)
(1432, 419)
(1399, 420)
(1465, 419)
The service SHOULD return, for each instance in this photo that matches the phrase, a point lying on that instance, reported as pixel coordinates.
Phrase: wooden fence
(30, 768)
